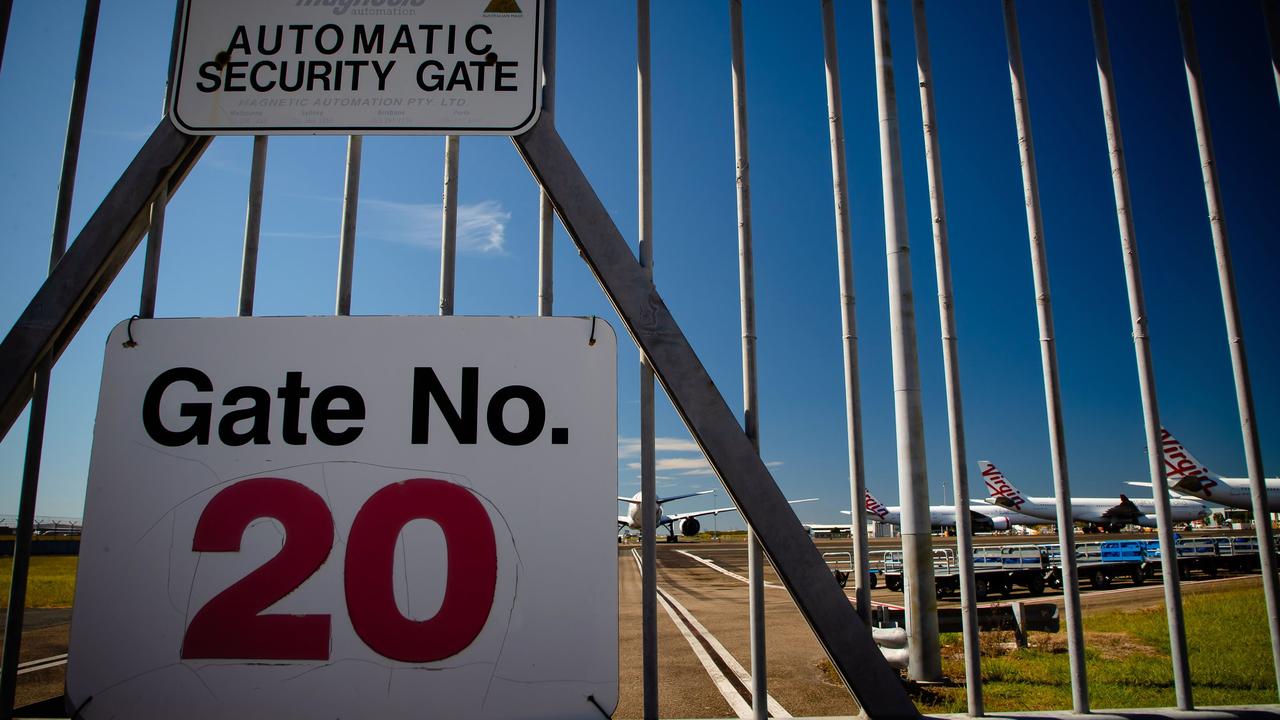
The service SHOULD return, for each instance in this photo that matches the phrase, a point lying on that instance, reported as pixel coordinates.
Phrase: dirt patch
(1001, 643)
(1108, 645)
(828, 673)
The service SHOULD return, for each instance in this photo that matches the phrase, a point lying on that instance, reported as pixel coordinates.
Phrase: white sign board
(350, 518)
(467, 67)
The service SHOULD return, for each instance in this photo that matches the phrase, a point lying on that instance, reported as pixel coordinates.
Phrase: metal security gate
(136, 204)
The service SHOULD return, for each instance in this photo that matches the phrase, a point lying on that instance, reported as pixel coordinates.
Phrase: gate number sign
(351, 517)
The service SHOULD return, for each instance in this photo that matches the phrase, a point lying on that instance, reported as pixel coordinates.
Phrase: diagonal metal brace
(88, 268)
(846, 639)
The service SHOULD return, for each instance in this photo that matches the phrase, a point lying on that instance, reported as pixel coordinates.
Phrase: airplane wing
(686, 495)
(717, 511)
(1125, 512)
(700, 513)
(661, 500)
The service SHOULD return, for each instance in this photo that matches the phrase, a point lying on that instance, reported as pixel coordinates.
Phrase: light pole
(715, 518)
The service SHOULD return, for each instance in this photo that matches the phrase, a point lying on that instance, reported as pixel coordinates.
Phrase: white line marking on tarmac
(42, 664)
(685, 620)
(719, 569)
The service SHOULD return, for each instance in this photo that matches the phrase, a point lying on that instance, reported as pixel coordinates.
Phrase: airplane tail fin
(1003, 493)
(1185, 473)
(875, 507)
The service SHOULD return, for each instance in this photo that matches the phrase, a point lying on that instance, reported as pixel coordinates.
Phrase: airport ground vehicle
(1000, 569)
(997, 570)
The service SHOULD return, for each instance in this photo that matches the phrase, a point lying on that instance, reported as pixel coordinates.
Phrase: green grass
(51, 581)
(1127, 660)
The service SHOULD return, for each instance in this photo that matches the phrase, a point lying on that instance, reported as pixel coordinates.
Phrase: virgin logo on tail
(1000, 488)
(1178, 463)
(874, 506)
(1181, 467)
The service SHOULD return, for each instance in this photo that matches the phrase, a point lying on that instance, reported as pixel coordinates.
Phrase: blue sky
(801, 387)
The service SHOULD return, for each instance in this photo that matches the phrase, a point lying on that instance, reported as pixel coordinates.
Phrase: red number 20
(231, 624)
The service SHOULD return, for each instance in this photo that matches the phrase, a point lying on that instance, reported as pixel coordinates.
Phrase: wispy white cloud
(482, 226)
(678, 465)
(630, 446)
(680, 456)
(300, 236)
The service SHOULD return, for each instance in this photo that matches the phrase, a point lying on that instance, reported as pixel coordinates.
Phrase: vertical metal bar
(648, 454)
(750, 399)
(151, 265)
(347, 245)
(6, 9)
(1235, 330)
(155, 229)
(1142, 351)
(546, 214)
(449, 223)
(951, 365)
(848, 318)
(253, 226)
(925, 653)
(40, 394)
(1049, 361)
(1271, 18)
(75, 121)
(22, 541)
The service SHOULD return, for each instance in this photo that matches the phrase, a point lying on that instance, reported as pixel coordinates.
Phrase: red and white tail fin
(1185, 473)
(875, 507)
(1002, 492)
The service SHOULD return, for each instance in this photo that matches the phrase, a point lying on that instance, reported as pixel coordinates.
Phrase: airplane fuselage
(1231, 492)
(984, 517)
(1102, 511)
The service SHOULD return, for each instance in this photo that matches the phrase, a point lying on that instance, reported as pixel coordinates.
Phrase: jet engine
(983, 523)
(688, 527)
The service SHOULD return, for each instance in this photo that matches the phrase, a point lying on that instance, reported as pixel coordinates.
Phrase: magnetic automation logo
(503, 7)
(365, 7)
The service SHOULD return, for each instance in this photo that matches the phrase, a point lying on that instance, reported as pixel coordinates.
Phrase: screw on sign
(230, 625)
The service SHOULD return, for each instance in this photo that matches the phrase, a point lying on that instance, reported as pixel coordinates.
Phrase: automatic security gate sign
(351, 517)
(358, 67)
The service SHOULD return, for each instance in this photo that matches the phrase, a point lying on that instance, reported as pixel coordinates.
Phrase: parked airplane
(983, 517)
(1103, 513)
(1188, 476)
(679, 524)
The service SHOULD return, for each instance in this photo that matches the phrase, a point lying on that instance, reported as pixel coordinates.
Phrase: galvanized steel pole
(347, 244)
(1142, 350)
(449, 223)
(1235, 330)
(253, 226)
(950, 360)
(151, 264)
(6, 9)
(1049, 362)
(750, 399)
(648, 430)
(848, 318)
(925, 654)
(546, 214)
(1271, 17)
(155, 229)
(40, 394)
